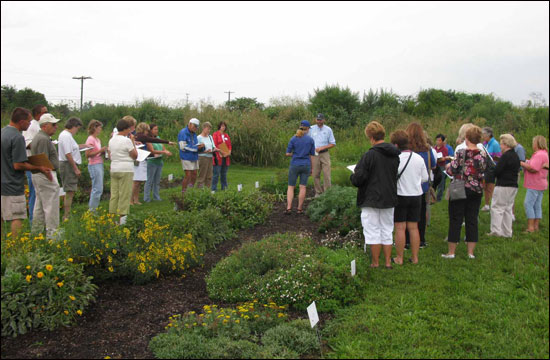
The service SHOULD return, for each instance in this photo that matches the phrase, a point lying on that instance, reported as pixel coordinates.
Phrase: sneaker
(486, 208)
(423, 245)
(470, 256)
(492, 234)
(448, 256)
(407, 246)
(513, 218)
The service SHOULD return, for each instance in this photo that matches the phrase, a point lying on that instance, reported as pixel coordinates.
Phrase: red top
(218, 139)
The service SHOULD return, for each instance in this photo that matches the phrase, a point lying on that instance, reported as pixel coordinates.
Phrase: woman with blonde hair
(506, 188)
(535, 181)
(301, 147)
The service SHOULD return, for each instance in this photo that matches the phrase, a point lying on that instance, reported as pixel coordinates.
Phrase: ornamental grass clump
(218, 333)
(42, 291)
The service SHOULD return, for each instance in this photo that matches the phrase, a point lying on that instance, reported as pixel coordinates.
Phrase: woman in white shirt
(69, 159)
(412, 172)
(206, 164)
(123, 152)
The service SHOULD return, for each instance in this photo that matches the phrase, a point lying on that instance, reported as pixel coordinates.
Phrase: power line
(82, 78)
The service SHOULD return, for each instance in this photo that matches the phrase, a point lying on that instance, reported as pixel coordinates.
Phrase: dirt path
(125, 317)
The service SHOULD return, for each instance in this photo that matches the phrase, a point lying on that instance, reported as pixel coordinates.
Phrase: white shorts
(377, 226)
(190, 165)
(140, 172)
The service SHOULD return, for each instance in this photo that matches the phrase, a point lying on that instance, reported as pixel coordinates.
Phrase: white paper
(439, 155)
(61, 192)
(170, 177)
(142, 154)
(351, 168)
(239, 187)
(353, 268)
(140, 146)
(257, 184)
(54, 142)
(312, 313)
(86, 148)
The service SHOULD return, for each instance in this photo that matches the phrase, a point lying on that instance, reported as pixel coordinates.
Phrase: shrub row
(336, 209)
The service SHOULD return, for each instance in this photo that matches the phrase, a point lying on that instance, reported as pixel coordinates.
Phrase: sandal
(288, 211)
(389, 267)
(300, 211)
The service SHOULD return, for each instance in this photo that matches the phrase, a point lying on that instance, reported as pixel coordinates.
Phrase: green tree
(338, 104)
(244, 104)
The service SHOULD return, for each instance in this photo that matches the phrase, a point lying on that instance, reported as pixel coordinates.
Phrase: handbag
(457, 188)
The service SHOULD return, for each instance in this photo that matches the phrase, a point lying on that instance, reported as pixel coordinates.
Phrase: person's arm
(290, 148)
(361, 173)
(25, 166)
(133, 152)
(74, 165)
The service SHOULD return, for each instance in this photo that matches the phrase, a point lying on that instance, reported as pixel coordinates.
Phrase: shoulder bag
(457, 188)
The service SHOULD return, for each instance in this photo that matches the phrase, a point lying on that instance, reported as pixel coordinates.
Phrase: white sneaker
(447, 256)
(486, 208)
(471, 256)
(513, 218)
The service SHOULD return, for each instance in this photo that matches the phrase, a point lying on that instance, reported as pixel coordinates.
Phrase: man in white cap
(189, 153)
(46, 207)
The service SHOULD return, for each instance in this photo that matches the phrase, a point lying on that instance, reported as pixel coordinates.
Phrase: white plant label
(170, 177)
(257, 184)
(239, 187)
(312, 313)
(61, 192)
(353, 268)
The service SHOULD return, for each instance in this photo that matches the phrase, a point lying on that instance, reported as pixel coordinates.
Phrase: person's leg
(224, 174)
(38, 211)
(441, 185)
(96, 175)
(15, 228)
(209, 171)
(289, 197)
(326, 169)
(422, 222)
(400, 241)
(115, 192)
(386, 225)
(186, 180)
(201, 178)
(375, 253)
(135, 193)
(156, 181)
(32, 195)
(193, 179)
(69, 195)
(302, 197)
(529, 205)
(371, 232)
(456, 215)
(471, 215)
(489, 188)
(125, 194)
(508, 214)
(215, 176)
(538, 209)
(149, 182)
(415, 240)
(292, 177)
(387, 255)
(316, 173)
(497, 211)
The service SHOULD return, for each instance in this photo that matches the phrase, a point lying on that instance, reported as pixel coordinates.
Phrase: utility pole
(186, 99)
(82, 78)
(229, 95)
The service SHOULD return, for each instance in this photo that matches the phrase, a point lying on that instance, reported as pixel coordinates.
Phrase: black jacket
(376, 177)
(507, 169)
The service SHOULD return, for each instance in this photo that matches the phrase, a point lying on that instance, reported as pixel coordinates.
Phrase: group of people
(30, 133)
(394, 181)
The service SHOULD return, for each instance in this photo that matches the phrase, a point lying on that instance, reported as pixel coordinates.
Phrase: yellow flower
(70, 260)
(72, 298)
(60, 284)
(237, 321)
(111, 269)
(280, 315)
(40, 275)
(29, 277)
(256, 316)
(79, 312)
(66, 312)
(28, 267)
(114, 251)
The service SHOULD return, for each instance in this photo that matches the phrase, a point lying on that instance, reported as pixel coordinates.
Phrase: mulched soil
(125, 317)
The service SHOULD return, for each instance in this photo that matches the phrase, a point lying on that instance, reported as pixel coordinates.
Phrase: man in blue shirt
(493, 148)
(324, 140)
(189, 153)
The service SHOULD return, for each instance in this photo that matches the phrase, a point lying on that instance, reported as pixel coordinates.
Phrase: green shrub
(336, 209)
(288, 269)
(42, 291)
(296, 336)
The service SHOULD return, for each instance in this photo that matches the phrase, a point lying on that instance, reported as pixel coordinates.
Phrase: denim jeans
(96, 174)
(32, 195)
(533, 204)
(154, 171)
(441, 186)
(220, 169)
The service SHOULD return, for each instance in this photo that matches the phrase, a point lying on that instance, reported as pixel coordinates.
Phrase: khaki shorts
(190, 165)
(14, 207)
(69, 180)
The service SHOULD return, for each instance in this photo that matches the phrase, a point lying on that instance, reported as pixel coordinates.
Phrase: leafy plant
(336, 209)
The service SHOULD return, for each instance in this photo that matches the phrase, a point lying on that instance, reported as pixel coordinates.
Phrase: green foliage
(42, 291)
(339, 105)
(26, 98)
(296, 336)
(244, 104)
(336, 209)
(288, 269)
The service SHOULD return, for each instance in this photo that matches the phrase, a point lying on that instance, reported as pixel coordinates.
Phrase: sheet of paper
(170, 177)
(240, 187)
(353, 269)
(257, 184)
(142, 154)
(351, 168)
(61, 192)
(86, 148)
(439, 155)
(313, 315)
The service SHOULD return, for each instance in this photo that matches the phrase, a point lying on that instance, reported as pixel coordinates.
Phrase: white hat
(47, 118)
(195, 121)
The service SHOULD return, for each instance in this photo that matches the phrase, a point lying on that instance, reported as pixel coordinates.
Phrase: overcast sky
(136, 50)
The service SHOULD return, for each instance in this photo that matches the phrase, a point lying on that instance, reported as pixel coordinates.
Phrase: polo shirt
(322, 136)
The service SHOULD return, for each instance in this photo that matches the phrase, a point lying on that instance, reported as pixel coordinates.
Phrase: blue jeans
(154, 172)
(533, 204)
(96, 174)
(32, 195)
(441, 186)
(302, 171)
(217, 170)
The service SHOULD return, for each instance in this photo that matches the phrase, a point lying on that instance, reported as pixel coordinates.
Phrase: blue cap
(305, 123)
(320, 116)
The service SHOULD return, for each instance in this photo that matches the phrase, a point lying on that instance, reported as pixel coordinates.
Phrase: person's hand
(77, 172)
(172, 143)
(137, 142)
(131, 136)
(216, 150)
(103, 149)
(317, 149)
(167, 153)
(200, 146)
(47, 172)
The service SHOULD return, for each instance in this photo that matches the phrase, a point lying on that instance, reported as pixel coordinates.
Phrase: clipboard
(223, 147)
(40, 160)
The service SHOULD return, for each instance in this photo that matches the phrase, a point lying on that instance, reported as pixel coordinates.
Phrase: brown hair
(142, 128)
(222, 123)
(540, 141)
(93, 125)
(124, 123)
(401, 139)
(473, 134)
(132, 121)
(375, 130)
(37, 109)
(417, 139)
(19, 114)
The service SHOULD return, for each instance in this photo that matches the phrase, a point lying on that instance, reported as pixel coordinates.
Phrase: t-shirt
(444, 153)
(493, 148)
(120, 147)
(301, 148)
(208, 142)
(424, 154)
(155, 159)
(96, 144)
(42, 144)
(30, 133)
(537, 180)
(13, 151)
(67, 145)
(451, 151)
(410, 182)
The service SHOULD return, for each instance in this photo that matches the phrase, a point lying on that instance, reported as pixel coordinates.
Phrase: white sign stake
(170, 177)
(312, 313)
(240, 187)
(353, 268)
(257, 184)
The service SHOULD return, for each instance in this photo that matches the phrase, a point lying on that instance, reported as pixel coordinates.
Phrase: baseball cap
(320, 116)
(305, 123)
(47, 118)
(194, 121)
